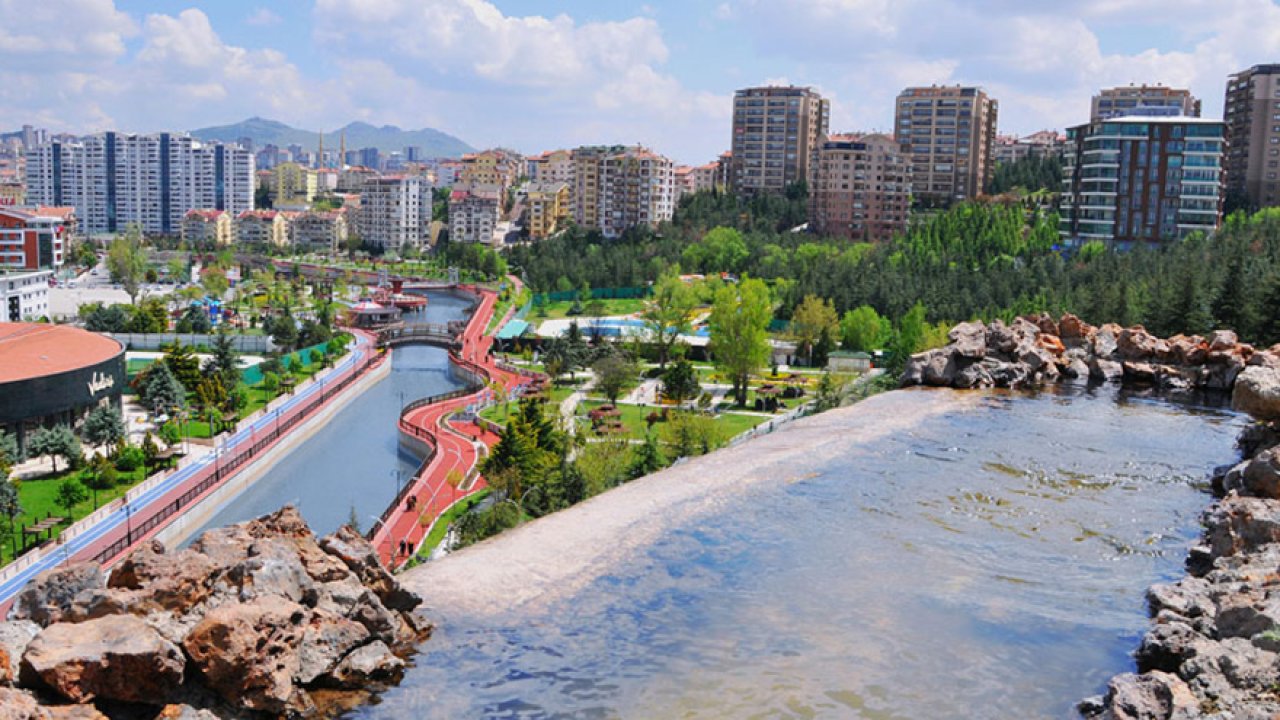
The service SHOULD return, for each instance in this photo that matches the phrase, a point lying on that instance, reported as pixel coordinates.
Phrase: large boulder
(174, 582)
(114, 658)
(15, 636)
(1222, 340)
(969, 340)
(1257, 392)
(362, 559)
(326, 640)
(372, 663)
(1138, 345)
(248, 654)
(1151, 696)
(1261, 477)
(1241, 524)
(20, 705)
(1105, 343)
(53, 593)
(1103, 370)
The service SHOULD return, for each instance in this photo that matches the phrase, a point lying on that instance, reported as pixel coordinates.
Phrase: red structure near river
(457, 445)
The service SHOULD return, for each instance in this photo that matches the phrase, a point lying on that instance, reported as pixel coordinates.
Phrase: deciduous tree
(739, 332)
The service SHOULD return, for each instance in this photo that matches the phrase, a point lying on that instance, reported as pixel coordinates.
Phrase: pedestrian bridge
(442, 335)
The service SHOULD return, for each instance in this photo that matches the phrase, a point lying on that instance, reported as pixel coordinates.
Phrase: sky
(536, 75)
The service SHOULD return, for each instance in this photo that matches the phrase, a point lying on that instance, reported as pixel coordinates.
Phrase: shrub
(130, 459)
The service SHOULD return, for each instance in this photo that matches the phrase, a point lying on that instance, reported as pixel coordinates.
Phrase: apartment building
(548, 205)
(319, 231)
(949, 134)
(32, 238)
(861, 188)
(24, 296)
(262, 227)
(208, 227)
(115, 180)
(498, 167)
(1252, 114)
(352, 179)
(1143, 101)
(395, 211)
(776, 131)
(292, 185)
(553, 166)
(1042, 144)
(618, 187)
(474, 212)
(1142, 179)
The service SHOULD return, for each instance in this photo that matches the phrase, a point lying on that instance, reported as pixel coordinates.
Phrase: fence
(153, 341)
(596, 294)
(226, 463)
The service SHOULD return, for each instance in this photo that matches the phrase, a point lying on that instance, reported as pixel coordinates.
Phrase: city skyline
(542, 75)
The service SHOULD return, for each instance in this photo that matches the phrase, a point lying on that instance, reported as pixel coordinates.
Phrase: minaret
(320, 152)
(342, 151)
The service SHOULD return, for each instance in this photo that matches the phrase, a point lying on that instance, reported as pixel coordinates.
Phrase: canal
(354, 464)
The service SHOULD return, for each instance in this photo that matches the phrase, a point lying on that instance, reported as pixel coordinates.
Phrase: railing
(225, 464)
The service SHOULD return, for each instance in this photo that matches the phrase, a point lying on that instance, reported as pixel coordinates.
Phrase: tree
(183, 363)
(739, 323)
(160, 391)
(127, 261)
(812, 317)
(721, 250)
(70, 494)
(9, 452)
(214, 281)
(666, 314)
(911, 334)
(680, 382)
(194, 320)
(150, 316)
(604, 464)
(104, 426)
(822, 349)
(102, 476)
(222, 360)
(613, 373)
(864, 330)
(270, 385)
(57, 441)
(108, 318)
(690, 434)
(649, 457)
(10, 501)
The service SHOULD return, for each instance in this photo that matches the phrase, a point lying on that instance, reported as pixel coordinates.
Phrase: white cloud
(263, 17)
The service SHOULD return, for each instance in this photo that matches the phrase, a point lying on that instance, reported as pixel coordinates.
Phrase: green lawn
(442, 525)
(556, 396)
(560, 308)
(257, 400)
(500, 309)
(736, 423)
(632, 417)
(39, 500)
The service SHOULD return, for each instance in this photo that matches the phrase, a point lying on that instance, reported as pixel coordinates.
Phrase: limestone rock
(115, 658)
(184, 712)
(1137, 345)
(1105, 370)
(326, 640)
(1257, 392)
(74, 712)
(1221, 340)
(248, 653)
(51, 595)
(371, 663)
(175, 582)
(1241, 524)
(969, 340)
(362, 559)
(20, 705)
(1151, 696)
(1261, 476)
(15, 636)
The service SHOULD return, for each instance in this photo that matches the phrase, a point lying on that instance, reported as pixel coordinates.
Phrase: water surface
(989, 563)
(355, 462)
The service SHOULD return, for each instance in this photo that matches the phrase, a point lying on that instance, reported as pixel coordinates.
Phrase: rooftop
(32, 350)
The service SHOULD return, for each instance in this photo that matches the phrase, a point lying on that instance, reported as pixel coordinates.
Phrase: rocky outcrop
(1213, 650)
(250, 621)
(1257, 390)
(1039, 349)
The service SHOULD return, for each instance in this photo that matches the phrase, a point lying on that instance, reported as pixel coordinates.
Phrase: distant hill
(387, 138)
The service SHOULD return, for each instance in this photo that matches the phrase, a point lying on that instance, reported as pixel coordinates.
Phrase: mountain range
(387, 138)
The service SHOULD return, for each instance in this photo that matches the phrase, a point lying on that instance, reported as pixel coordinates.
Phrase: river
(987, 560)
(355, 462)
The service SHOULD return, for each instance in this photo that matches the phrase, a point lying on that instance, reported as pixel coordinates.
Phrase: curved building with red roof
(55, 374)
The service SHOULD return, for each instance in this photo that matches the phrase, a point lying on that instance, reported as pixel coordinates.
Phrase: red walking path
(457, 445)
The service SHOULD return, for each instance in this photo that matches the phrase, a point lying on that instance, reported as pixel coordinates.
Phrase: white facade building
(24, 296)
(115, 180)
(395, 211)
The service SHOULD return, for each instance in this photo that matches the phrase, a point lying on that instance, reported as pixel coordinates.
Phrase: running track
(111, 529)
(456, 443)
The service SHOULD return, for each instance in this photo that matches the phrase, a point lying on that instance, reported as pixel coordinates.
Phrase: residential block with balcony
(861, 188)
(949, 134)
(776, 131)
(1142, 179)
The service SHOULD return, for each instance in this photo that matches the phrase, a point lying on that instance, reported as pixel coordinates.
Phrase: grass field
(560, 308)
(442, 525)
(39, 501)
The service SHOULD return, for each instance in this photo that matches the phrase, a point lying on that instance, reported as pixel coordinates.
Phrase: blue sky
(534, 75)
